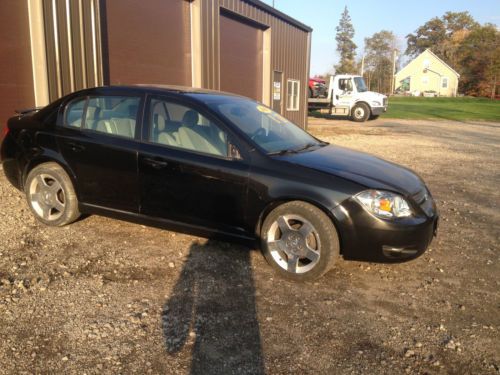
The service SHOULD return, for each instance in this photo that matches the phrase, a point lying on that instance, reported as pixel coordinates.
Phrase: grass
(458, 109)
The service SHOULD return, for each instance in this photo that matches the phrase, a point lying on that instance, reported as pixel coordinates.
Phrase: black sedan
(216, 165)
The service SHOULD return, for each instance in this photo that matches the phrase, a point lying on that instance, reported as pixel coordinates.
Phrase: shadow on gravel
(212, 312)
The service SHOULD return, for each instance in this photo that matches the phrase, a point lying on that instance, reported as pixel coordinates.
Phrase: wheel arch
(280, 201)
(46, 158)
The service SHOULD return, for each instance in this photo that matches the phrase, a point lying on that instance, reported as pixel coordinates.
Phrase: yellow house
(427, 72)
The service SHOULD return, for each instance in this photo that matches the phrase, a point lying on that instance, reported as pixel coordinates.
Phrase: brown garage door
(16, 75)
(148, 41)
(240, 57)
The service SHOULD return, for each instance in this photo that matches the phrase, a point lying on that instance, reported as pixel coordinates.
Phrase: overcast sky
(368, 17)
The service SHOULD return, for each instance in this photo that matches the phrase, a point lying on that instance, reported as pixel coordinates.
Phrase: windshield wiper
(283, 152)
(306, 147)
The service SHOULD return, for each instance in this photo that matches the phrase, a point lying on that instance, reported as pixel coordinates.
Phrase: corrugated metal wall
(289, 48)
(73, 45)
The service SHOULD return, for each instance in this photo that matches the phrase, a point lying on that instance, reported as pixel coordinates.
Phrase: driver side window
(176, 125)
(345, 84)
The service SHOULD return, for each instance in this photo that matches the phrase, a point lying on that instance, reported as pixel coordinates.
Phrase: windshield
(360, 84)
(268, 129)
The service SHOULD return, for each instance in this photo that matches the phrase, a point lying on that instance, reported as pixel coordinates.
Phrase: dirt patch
(106, 296)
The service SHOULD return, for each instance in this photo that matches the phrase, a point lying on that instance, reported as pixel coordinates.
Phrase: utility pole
(393, 80)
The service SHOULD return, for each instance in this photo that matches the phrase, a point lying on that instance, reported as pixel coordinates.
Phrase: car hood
(362, 168)
(371, 95)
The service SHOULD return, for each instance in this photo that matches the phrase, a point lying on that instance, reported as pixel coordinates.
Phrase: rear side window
(74, 112)
(114, 115)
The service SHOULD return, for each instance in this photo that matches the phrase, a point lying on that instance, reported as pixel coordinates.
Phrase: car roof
(168, 88)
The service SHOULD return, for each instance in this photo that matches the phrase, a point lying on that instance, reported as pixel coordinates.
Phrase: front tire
(299, 241)
(360, 112)
(51, 196)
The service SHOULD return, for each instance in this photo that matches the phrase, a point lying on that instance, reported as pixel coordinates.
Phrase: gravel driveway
(105, 296)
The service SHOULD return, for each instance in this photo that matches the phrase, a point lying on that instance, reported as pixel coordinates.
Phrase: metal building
(49, 48)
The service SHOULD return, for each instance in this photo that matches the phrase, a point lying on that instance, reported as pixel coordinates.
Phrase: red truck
(317, 88)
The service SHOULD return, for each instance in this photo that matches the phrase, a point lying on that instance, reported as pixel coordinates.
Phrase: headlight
(376, 104)
(384, 204)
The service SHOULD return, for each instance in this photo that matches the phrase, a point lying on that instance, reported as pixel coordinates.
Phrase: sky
(368, 17)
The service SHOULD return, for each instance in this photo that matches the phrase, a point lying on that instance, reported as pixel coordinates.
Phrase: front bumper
(366, 237)
(376, 111)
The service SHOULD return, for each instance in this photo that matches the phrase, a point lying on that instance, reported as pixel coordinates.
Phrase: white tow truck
(348, 96)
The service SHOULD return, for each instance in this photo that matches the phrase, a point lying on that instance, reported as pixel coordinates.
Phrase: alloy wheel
(47, 197)
(294, 243)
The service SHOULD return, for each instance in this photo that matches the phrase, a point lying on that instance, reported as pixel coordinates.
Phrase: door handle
(76, 146)
(157, 163)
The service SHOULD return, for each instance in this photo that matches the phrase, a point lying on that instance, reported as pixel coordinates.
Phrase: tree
(441, 35)
(479, 57)
(431, 34)
(345, 46)
(457, 21)
(379, 54)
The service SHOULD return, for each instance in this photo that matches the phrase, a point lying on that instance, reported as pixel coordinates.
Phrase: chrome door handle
(157, 163)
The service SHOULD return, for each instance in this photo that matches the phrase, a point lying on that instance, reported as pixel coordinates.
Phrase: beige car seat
(164, 137)
(124, 127)
(193, 141)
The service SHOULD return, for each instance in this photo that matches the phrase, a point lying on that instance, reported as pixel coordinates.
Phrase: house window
(293, 95)
(444, 82)
(425, 80)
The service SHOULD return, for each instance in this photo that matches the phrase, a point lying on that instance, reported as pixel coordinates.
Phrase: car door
(344, 93)
(98, 136)
(190, 168)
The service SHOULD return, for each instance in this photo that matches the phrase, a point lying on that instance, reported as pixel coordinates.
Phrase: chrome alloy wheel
(359, 113)
(47, 197)
(294, 243)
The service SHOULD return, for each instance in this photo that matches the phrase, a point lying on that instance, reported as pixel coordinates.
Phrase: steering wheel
(258, 133)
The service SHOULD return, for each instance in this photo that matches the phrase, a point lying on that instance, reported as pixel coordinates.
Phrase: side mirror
(233, 151)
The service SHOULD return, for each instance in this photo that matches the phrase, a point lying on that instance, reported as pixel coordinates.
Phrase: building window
(444, 82)
(425, 80)
(293, 95)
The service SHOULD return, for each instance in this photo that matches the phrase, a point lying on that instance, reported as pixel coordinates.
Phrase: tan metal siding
(73, 45)
(16, 75)
(289, 48)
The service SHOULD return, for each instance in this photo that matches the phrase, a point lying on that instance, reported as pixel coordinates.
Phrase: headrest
(190, 118)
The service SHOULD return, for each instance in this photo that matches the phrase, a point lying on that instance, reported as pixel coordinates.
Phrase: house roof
(436, 57)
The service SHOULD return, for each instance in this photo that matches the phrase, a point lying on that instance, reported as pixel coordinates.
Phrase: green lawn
(443, 108)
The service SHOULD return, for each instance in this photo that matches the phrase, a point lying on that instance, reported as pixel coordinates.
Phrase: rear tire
(360, 112)
(299, 241)
(51, 196)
